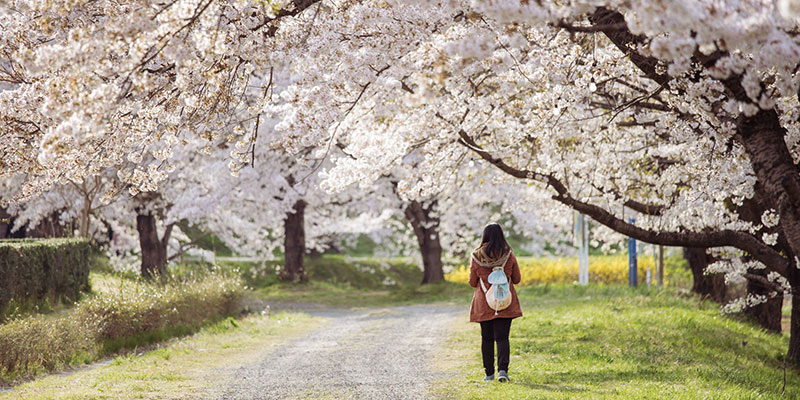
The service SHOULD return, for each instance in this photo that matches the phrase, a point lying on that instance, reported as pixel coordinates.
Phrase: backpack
(498, 294)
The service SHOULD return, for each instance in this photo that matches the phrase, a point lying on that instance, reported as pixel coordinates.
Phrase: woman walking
(494, 253)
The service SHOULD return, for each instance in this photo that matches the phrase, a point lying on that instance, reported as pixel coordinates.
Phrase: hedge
(36, 270)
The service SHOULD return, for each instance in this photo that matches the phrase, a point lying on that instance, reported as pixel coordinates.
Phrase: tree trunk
(707, 286)
(768, 314)
(793, 355)
(794, 332)
(86, 211)
(764, 140)
(294, 244)
(154, 250)
(425, 223)
(6, 222)
(48, 227)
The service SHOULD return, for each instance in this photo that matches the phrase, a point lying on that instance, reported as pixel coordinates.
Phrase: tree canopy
(681, 113)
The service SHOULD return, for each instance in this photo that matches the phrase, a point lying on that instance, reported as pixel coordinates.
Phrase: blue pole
(632, 267)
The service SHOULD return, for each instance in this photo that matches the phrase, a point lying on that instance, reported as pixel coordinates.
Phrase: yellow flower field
(609, 269)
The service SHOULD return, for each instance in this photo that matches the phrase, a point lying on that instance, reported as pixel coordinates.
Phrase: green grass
(609, 342)
(344, 281)
(184, 368)
(334, 295)
(591, 342)
(120, 344)
(339, 270)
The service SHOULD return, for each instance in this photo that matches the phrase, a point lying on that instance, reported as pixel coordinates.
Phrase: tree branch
(590, 29)
(626, 41)
(468, 142)
(167, 233)
(764, 281)
(741, 240)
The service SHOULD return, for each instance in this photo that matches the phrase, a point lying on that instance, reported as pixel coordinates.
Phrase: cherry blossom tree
(730, 86)
(685, 122)
(448, 220)
(108, 85)
(90, 85)
(681, 113)
(278, 205)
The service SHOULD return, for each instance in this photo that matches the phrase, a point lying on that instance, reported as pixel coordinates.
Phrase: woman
(493, 252)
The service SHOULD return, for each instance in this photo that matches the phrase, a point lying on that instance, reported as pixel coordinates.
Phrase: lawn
(609, 342)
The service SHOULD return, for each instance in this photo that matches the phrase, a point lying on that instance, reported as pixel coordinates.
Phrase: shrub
(134, 312)
(338, 270)
(137, 306)
(364, 273)
(602, 269)
(42, 343)
(38, 270)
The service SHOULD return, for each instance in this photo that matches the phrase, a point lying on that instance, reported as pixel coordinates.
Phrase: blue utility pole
(632, 267)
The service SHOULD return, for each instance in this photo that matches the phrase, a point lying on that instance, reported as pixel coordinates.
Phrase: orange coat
(480, 311)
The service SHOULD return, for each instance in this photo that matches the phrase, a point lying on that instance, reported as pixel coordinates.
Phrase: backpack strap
(501, 267)
(505, 259)
(485, 291)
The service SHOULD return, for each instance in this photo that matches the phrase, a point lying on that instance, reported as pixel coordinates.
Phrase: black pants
(492, 331)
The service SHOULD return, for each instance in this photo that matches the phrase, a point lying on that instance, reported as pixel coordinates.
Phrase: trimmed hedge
(36, 270)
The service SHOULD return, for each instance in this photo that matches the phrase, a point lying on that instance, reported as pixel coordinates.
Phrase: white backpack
(498, 295)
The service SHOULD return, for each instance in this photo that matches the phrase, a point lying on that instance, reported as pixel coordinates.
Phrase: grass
(121, 314)
(343, 281)
(595, 342)
(334, 295)
(339, 270)
(339, 280)
(20, 309)
(189, 367)
(609, 342)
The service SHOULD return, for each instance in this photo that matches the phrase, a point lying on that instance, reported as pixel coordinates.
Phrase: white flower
(790, 9)
(770, 218)
(770, 239)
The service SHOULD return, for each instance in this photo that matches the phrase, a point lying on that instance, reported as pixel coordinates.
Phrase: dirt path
(370, 354)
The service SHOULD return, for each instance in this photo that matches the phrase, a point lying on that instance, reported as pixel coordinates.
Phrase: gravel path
(367, 354)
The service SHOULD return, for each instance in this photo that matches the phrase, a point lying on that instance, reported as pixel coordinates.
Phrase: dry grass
(127, 314)
(190, 367)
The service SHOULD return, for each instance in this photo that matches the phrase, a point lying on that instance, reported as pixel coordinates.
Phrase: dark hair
(493, 235)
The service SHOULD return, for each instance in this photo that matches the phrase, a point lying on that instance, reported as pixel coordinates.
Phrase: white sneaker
(502, 376)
